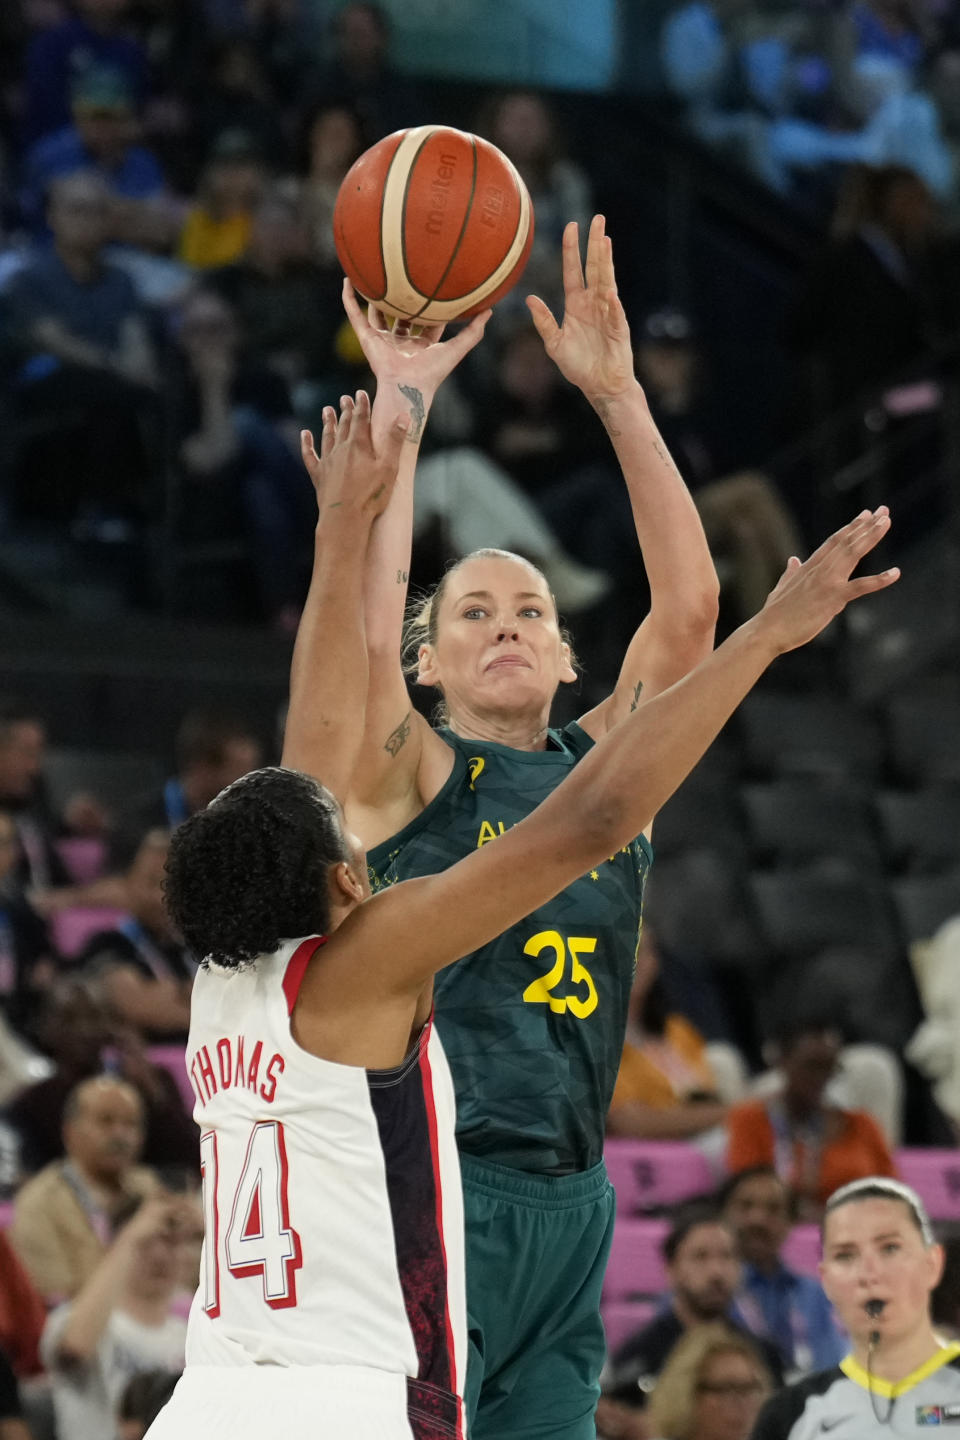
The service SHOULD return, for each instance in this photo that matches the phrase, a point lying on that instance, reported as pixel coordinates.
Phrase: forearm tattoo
(665, 456)
(398, 738)
(603, 410)
(636, 696)
(417, 412)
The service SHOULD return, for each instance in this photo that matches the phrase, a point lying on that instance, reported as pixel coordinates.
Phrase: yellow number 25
(541, 990)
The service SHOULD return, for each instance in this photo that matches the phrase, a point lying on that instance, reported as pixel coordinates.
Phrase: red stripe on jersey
(431, 1109)
(297, 968)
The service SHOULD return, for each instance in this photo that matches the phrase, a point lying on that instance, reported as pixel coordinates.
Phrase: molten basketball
(433, 224)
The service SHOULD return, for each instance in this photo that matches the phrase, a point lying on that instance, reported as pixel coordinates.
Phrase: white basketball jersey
(333, 1217)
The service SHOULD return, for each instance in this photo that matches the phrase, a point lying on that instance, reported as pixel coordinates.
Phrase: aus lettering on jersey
(492, 829)
(235, 1064)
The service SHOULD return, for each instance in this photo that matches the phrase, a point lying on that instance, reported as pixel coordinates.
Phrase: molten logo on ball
(433, 224)
(440, 187)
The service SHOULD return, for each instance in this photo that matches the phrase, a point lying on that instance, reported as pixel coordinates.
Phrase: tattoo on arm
(402, 577)
(665, 456)
(417, 412)
(398, 738)
(603, 408)
(636, 696)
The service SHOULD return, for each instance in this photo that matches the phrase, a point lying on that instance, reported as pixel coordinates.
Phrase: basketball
(433, 224)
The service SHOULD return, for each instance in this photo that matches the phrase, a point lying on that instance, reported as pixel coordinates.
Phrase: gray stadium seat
(797, 819)
(808, 735)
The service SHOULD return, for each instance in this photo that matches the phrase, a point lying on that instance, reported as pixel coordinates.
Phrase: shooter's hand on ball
(408, 354)
(592, 347)
(809, 595)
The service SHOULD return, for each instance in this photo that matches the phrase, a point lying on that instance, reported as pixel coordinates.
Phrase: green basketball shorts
(537, 1248)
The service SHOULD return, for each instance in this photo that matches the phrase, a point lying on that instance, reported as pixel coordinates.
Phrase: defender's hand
(808, 596)
(350, 476)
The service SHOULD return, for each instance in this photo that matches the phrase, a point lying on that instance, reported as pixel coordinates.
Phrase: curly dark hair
(251, 869)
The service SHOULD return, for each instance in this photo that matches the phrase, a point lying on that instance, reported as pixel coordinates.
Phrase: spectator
(94, 36)
(142, 969)
(866, 309)
(748, 526)
(26, 965)
(23, 741)
(217, 228)
(73, 1028)
(711, 1388)
(704, 1275)
(534, 426)
(237, 98)
(789, 1309)
(119, 1323)
(12, 1424)
(333, 142)
(64, 1218)
(22, 1315)
(665, 1089)
(213, 748)
(360, 74)
(522, 125)
(232, 431)
(88, 356)
(288, 310)
(144, 1396)
(700, 53)
(815, 1147)
(101, 139)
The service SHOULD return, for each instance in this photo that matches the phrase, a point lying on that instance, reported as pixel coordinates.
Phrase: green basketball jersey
(533, 1023)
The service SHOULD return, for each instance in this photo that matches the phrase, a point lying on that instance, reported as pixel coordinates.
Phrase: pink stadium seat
(654, 1174)
(84, 858)
(636, 1269)
(935, 1175)
(71, 929)
(623, 1318)
(172, 1058)
(802, 1250)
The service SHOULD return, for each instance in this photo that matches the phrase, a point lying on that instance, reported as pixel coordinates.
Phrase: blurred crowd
(170, 309)
(170, 316)
(795, 91)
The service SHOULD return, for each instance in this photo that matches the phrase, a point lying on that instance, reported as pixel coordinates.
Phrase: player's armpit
(400, 758)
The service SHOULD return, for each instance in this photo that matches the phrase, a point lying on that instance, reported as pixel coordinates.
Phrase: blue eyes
(530, 612)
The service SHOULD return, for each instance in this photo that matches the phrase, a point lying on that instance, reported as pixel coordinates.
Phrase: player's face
(759, 1215)
(498, 645)
(705, 1271)
(730, 1391)
(872, 1250)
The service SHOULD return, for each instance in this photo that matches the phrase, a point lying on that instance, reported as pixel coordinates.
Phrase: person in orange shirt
(814, 1147)
(666, 1088)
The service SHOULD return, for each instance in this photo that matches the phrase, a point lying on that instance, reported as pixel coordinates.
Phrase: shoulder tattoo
(398, 738)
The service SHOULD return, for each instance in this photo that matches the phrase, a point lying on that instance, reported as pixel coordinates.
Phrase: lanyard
(101, 1222)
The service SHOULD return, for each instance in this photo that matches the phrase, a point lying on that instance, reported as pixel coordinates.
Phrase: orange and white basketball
(433, 224)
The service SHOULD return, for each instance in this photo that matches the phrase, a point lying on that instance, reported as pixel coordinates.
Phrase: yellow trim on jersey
(855, 1372)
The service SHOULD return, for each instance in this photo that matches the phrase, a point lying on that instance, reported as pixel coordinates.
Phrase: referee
(880, 1263)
